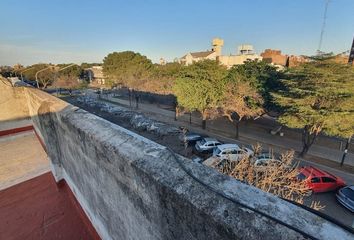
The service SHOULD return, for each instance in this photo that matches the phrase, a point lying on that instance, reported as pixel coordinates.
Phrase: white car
(206, 145)
(264, 159)
(231, 152)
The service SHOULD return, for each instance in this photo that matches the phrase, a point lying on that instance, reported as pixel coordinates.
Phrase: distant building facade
(95, 75)
(245, 52)
(212, 54)
(275, 57)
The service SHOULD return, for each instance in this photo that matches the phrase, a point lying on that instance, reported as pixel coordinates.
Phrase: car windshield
(349, 193)
(202, 141)
(217, 151)
(301, 176)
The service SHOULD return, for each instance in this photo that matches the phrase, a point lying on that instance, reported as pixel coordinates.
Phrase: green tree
(241, 99)
(45, 77)
(128, 68)
(73, 71)
(199, 88)
(318, 97)
(263, 76)
(162, 78)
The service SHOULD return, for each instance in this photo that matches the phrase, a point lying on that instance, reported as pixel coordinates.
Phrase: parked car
(231, 151)
(265, 159)
(345, 196)
(206, 145)
(190, 138)
(320, 181)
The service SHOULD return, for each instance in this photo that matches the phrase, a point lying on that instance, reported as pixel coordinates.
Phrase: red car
(319, 180)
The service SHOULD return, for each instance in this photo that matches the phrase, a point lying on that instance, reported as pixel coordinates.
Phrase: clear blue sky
(85, 30)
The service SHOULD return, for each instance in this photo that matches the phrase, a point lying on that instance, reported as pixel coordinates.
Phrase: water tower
(217, 44)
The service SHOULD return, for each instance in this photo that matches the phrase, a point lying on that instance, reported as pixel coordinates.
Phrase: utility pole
(351, 54)
(345, 151)
(323, 28)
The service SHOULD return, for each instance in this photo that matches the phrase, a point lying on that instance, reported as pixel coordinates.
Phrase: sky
(65, 31)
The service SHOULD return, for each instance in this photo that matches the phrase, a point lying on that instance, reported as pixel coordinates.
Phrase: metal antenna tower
(323, 27)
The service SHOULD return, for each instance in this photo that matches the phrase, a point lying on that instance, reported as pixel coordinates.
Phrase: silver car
(345, 196)
(206, 145)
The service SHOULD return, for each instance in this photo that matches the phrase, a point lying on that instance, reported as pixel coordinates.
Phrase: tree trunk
(130, 97)
(176, 112)
(237, 125)
(308, 139)
(190, 117)
(204, 120)
(137, 102)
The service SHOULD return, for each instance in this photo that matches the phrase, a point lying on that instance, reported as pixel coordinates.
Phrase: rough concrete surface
(133, 188)
(13, 105)
(21, 158)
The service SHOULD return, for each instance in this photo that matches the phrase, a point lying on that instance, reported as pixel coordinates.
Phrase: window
(218, 151)
(234, 152)
(301, 176)
(315, 180)
(328, 180)
(349, 193)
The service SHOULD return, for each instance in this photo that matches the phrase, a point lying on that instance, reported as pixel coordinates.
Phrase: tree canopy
(199, 87)
(318, 97)
(263, 76)
(128, 68)
(45, 77)
(240, 98)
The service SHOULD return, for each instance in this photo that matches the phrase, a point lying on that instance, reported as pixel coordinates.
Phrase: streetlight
(55, 76)
(39, 72)
(25, 71)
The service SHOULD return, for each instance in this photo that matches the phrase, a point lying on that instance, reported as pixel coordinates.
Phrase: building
(212, 54)
(245, 52)
(276, 58)
(95, 75)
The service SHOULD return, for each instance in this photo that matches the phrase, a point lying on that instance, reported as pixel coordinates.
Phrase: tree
(66, 81)
(44, 78)
(6, 71)
(240, 99)
(318, 97)
(199, 88)
(68, 76)
(276, 178)
(73, 71)
(263, 76)
(162, 78)
(128, 68)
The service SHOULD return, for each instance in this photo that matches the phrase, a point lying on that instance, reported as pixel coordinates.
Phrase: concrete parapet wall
(13, 106)
(133, 188)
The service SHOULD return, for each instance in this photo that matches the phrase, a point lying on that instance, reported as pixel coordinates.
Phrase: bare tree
(277, 178)
(240, 101)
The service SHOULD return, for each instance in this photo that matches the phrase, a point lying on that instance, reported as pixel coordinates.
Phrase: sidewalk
(225, 132)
